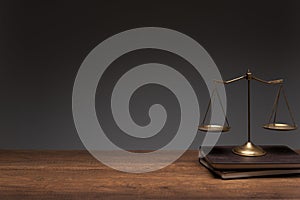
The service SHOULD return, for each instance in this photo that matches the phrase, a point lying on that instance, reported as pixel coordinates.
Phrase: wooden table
(77, 175)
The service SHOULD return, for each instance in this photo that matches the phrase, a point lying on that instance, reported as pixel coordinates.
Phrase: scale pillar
(249, 149)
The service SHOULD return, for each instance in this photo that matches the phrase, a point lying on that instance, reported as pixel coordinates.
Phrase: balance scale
(250, 149)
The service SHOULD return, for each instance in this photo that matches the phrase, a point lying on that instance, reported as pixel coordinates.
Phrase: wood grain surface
(77, 175)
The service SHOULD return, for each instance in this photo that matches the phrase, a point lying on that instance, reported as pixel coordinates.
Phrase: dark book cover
(277, 157)
(234, 174)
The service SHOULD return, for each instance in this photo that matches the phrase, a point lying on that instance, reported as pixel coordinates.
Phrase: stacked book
(222, 162)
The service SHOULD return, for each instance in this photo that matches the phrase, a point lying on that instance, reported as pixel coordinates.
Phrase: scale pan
(280, 127)
(214, 128)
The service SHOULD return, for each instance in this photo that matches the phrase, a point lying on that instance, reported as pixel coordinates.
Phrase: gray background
(42, 45)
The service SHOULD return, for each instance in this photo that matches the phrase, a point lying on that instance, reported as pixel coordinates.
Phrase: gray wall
(42, 45)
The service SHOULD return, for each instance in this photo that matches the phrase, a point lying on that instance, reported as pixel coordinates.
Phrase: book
(277, 157)
(234, 174)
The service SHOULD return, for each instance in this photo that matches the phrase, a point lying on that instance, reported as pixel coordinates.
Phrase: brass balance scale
(250, 149)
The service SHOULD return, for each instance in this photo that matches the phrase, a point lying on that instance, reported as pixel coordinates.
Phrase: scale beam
(278, 81)
(232, 80)
(249, 76)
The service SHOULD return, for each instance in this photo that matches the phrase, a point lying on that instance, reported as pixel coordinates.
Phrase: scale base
(249, 149)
